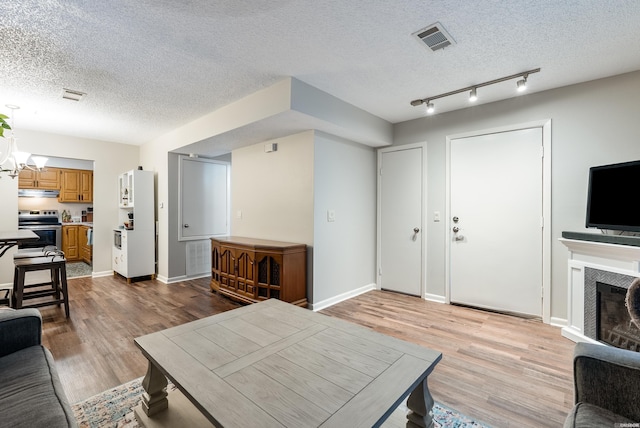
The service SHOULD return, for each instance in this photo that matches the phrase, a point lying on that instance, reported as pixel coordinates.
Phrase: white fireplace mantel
(609, 257)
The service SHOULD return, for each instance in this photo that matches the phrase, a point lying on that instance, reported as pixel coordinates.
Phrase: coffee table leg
(420, 404)
(154, 399)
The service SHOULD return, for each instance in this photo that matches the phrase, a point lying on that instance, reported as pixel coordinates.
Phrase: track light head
(416, 103)
(473, 95)
(522, 84)
(430, 107)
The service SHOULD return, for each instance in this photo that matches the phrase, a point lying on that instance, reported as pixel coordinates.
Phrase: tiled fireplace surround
(591, 262)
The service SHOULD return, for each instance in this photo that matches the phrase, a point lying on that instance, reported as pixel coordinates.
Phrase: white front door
(400, 207)
(496, 221)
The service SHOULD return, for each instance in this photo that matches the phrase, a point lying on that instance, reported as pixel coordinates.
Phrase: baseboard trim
(435, 298)
(558, 322)
(181, 278)
(576, 336)
(101, 274)
(341, 297)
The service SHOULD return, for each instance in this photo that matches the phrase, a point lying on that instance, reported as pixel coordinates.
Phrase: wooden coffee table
(273, 364)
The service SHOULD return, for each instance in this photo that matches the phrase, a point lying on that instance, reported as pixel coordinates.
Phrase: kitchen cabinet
(76, 185)
(47, 179)
(86, 249)
(251, 270)
(134, 246)
(70, 242)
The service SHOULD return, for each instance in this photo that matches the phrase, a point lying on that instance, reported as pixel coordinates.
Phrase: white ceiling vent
(70, 94)
(434, 36)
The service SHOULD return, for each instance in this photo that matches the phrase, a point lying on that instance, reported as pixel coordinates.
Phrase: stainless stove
(44, 223)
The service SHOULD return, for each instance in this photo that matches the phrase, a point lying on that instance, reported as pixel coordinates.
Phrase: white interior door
(204, 198)
(496, 209)
(401, 258)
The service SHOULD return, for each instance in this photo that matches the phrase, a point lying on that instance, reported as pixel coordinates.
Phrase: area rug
(112, 409)
(76, 269)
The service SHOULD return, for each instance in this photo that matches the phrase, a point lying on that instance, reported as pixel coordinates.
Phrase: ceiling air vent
(435, 37)
(70, 94)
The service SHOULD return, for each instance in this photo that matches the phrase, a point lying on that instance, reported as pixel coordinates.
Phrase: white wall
(344, 253)
(274, 190)
(8, 222)
(110, 159)
(593, 123)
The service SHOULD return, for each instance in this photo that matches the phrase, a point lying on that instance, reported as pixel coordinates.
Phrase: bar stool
(37, 252)
(56, 264)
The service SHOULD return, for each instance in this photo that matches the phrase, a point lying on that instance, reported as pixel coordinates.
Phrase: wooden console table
(252, 270)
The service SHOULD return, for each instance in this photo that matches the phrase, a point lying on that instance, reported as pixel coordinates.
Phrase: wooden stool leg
(19, 287)
(55, 282)
(12, 303)
(65, 290)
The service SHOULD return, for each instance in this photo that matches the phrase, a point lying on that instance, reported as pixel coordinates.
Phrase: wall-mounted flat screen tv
(612, 202)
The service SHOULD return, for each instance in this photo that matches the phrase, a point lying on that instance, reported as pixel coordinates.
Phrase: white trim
(559, 322)
(341, 297)
(180, 278)
(575, 336)
(545, 124)
(101, 274)
(435, 298)
(423, 273)
(163, 279)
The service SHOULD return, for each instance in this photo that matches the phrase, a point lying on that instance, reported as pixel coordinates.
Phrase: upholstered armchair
(606, 386)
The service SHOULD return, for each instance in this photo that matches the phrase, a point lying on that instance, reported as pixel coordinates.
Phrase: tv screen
(611, 202)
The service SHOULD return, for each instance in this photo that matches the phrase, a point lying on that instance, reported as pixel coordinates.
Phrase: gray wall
(345, 250)
(593, 123)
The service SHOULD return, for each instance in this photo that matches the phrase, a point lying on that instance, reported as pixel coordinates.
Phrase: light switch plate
(331, 216)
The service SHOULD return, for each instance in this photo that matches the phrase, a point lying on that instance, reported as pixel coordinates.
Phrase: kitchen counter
(78, 223)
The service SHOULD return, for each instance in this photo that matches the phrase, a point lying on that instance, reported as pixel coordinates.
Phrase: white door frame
(545, 124)
(423, 231)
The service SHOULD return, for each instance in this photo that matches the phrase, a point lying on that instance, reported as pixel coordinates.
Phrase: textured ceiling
(149, 66)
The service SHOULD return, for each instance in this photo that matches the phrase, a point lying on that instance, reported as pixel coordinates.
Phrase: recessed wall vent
(70, 94)
(435, 37)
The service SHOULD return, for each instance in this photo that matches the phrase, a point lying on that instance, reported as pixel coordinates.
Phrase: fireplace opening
(613, 323)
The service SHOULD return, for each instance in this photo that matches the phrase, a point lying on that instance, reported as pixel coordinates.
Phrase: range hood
(38, 193)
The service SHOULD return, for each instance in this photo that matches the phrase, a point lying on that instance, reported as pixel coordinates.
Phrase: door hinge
(541, 151)
(379, 271)
(380, 171)
(542, 222)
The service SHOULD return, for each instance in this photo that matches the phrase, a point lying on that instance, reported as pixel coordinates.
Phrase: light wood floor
(503, 370)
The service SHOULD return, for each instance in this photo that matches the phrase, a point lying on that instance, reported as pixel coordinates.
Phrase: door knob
(416, 230)
(456, 229)
(186, 225)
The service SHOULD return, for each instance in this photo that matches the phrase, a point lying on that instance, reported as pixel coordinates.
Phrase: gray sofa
(31, 394)
(606, 386)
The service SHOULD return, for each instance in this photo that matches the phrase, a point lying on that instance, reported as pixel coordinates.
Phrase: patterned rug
(112, 409)
(76, 269)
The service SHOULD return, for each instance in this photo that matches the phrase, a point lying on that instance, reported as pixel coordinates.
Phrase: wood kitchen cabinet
(76, 185)
(251, 270)
(47, 179)
(86, 250)
(71, 242)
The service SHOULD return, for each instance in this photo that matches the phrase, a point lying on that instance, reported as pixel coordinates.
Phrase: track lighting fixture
(473, 96)
(522, 84)
(473, 93)
(430, 107)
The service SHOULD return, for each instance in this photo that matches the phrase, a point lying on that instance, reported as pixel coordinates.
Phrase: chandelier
(10, 155)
